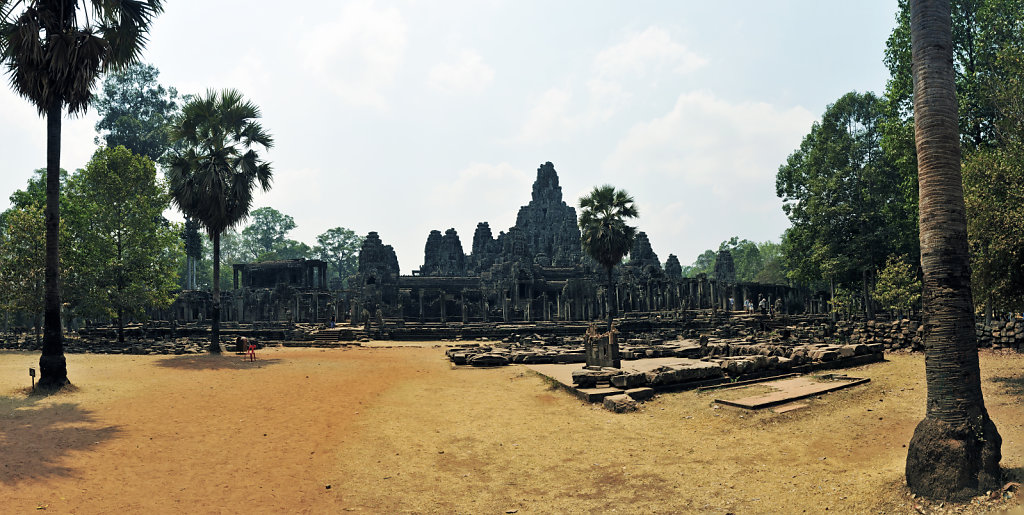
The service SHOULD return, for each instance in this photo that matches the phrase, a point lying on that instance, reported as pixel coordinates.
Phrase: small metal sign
(31, 372)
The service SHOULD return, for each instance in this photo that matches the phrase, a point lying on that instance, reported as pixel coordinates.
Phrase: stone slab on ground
(785, 408)
(788, 390)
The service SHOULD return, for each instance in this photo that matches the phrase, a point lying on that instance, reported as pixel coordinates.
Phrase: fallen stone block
(629, 380)
(488, 360)
(621, 403)
(640, 394)
(586, 378)
(682, 373)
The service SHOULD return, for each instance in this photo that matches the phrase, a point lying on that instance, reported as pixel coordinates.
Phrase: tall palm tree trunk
(53, 370)
(215, 324)
(955, 451)
(611, 299)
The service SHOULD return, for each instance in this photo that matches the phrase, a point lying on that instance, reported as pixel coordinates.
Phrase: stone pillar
(444, 318)
(421, 305)
(462, 306)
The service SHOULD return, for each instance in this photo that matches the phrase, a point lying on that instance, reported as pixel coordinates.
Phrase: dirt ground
(386, 430)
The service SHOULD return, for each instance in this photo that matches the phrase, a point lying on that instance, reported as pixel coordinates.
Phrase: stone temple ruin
(532, 278)
(536, 272)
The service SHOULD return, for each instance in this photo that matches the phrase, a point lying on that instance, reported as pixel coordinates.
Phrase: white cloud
(556, 116)
(718, 158)
(359, 54)
(480, 193)
(468, 74)
(707, 141)
(650, 50)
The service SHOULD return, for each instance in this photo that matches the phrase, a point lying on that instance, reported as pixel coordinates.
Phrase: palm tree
(54, 50)
(213, 172)
(605, 235)
(955, 451)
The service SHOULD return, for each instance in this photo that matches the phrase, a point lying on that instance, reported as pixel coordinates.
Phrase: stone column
(421, 304)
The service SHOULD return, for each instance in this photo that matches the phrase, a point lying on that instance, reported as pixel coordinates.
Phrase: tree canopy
(606, 237)
(136, 111)
(339, 247)
(843, 196)
(266, 232)
(213, 173)
(54, 51)
(122, 253)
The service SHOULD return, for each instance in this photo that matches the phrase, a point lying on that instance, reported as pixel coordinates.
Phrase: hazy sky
(406, 116)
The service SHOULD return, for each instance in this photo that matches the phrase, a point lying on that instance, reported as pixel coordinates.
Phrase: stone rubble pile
(1002, 334)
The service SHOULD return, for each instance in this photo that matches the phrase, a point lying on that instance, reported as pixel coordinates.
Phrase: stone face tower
(548, 223)
(725, 269)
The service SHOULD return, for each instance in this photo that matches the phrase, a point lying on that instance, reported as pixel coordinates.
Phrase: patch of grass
(1014, 385)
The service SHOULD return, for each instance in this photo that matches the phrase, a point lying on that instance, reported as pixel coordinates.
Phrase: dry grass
(398, 430)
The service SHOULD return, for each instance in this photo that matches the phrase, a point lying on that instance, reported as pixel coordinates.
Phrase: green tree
(704, 264)
(290, 249)
(213, 174)
(23, 252)
(22, 249)
(955, 450)
(842, 194)
(994, 197)
(193, 243)
(843, 304)
(898, 288)
(773, 269)
(605, 235)
(981, 30)
(136, 111)
(746, 258)
(339, 247)
(34, 193)
(54, 50)
(267, 232)
(121, 250)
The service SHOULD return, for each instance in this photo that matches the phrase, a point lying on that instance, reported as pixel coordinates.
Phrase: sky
(405, 116)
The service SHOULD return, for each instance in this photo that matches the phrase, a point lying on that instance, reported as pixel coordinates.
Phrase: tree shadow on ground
(226, 361)
(1012, 385)
(35, 436)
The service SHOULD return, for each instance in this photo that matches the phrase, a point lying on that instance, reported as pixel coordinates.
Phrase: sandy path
(398, 430)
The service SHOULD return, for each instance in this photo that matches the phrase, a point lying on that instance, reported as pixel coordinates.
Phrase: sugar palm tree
(605, 235)
(213, 172)
(955, 451)
(54, 50)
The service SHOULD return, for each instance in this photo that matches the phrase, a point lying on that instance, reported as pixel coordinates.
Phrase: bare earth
(386, 430)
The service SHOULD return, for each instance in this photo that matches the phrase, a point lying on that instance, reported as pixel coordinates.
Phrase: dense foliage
(122, 253)
(136, 111)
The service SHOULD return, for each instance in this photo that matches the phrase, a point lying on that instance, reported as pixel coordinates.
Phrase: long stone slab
(788, 390)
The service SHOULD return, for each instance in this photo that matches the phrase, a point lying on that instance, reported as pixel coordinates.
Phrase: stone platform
(562, 373)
